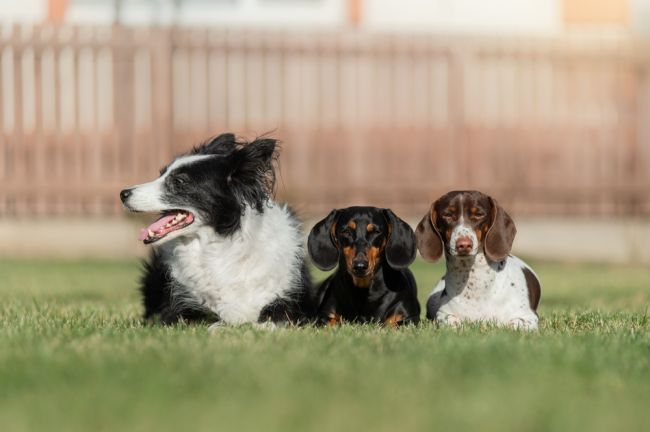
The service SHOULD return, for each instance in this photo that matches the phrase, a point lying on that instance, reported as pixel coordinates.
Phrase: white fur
(237, 276)
(479, 290)
(463, 230)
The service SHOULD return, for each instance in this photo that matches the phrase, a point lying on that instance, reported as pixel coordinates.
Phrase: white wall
(468, 16)
(641, 15)
(276, 13)
(23, 10)
(267, 13)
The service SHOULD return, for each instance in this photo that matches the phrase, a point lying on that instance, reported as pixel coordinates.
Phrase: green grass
(74, 357)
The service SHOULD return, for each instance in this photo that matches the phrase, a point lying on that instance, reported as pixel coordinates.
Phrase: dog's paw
(449, 320)
(216, 326)
(266, 326)
(522, 324)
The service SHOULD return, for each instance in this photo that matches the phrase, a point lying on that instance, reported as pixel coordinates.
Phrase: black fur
(322, 245)
(393, 292)
(386, 289)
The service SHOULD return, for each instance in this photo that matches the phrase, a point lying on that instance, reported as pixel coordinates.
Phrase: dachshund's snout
(360, 265)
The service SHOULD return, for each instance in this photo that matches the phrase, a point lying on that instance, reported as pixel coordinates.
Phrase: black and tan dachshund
(373, 249)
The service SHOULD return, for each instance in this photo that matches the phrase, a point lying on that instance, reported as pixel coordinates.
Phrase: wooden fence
(548, 126)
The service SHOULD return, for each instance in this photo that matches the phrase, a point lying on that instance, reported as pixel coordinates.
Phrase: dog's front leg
(448, 319)
(217, 326)
(526, 324)
(266, 326)
(334, 319)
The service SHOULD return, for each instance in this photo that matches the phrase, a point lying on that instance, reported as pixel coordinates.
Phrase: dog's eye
(478, 215)
(178, 180)
(346, 236)
(449, 215)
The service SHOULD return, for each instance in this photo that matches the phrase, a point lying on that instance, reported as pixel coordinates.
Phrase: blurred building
(546, 17)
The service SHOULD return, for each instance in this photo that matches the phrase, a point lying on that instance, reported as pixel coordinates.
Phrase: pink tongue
(144, 233)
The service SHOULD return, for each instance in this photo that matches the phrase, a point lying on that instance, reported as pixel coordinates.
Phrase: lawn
(75, 357)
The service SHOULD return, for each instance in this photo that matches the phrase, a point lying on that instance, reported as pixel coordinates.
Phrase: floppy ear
(321, 243)
(428, 238)
(500, 235)
(400, 249)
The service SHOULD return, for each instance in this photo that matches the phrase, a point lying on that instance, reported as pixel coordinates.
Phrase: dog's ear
(221, 144)
(500, 235)
(322, 245)
(261, 152)
(400, 248)
(253, 171)
(255, 161)
(428, 238)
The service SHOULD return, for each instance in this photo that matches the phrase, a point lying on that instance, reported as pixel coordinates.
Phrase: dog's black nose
(360, 266)
(125, 194)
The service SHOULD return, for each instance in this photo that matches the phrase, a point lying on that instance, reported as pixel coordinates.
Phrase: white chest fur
(237, 276)
(478, 290)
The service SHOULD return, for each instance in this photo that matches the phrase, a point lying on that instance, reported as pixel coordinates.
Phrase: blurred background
(544, 104)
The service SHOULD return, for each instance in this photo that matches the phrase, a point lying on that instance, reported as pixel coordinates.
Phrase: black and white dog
(224, 251)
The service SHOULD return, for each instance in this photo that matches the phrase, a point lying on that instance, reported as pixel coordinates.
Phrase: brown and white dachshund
(373, 249)
(483, 281)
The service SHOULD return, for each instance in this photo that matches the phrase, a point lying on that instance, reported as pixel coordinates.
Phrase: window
(597, 12)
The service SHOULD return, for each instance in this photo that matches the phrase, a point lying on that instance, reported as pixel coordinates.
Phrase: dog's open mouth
(170, 221)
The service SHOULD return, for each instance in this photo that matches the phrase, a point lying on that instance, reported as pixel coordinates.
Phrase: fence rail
(549, 126)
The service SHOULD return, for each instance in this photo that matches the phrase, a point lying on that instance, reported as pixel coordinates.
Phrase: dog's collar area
(170, 221)
(362, 281)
